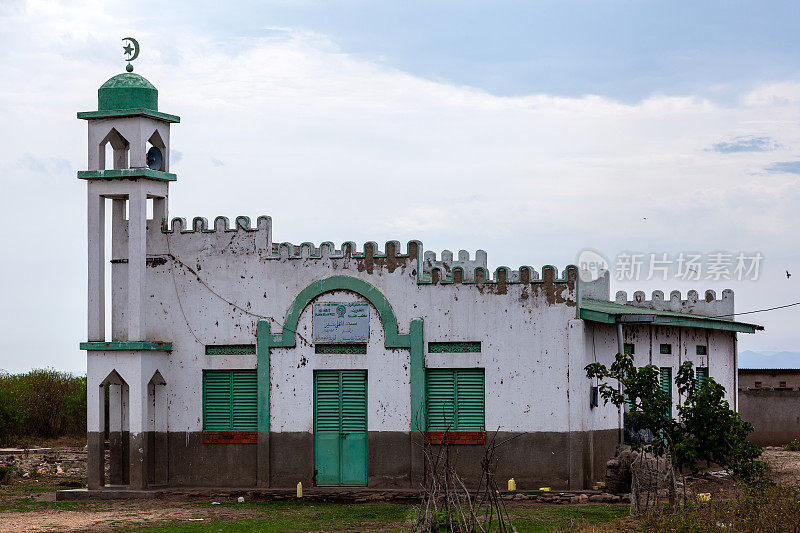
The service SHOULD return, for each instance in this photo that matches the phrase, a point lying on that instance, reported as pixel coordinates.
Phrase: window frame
(247, 400)
(455, 399)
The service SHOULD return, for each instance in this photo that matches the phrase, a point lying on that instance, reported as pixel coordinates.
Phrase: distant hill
(751, 359)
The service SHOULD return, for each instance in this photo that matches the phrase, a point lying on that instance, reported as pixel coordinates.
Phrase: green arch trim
(342, 283)
(413, 340)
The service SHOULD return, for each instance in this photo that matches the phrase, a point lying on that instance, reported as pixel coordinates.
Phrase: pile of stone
(570, 497)
(50, 462)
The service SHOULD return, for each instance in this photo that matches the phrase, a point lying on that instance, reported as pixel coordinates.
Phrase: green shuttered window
(665, 380)
(455, 399)
(230, 400)
(701, 373)
(628, 348)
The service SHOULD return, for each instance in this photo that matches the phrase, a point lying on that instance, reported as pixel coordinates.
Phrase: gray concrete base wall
(194, 464)
(775, 415)
(558, 460)
(395, 460)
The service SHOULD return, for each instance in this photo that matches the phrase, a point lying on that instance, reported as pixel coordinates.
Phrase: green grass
(298, 516)
(538, 518)
(292, 516)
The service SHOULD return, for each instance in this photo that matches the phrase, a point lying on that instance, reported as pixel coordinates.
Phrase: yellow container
(544, 489)
(601, 484)
(704, 497)
(512, 485)
(299, 489)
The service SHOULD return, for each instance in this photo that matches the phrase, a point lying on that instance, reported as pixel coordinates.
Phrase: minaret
(131, 363)
(128, 119)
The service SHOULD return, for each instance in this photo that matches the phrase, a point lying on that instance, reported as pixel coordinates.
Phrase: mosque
(235, 360)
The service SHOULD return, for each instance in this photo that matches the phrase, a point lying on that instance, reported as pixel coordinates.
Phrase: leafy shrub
(42, 403)
(793, 446)
(707, 431)
(11, 416)
(6, 472)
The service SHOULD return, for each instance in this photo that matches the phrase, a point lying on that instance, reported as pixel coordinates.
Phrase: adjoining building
(769, 398)
(235, 360)
(769, 378)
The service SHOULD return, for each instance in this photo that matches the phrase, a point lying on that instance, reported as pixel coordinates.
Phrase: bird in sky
(788, 275)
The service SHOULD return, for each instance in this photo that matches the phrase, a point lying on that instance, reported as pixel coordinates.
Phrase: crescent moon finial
(131, 50)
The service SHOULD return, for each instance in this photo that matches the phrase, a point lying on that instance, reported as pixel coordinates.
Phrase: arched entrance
(344, 379)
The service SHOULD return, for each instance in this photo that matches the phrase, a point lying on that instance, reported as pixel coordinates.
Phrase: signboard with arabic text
(340, 322)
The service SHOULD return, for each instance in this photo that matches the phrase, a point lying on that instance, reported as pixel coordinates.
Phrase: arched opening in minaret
(156, 151)
(114, 151)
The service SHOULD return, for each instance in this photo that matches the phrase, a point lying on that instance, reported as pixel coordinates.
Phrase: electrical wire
(215, 293)
(667, 322)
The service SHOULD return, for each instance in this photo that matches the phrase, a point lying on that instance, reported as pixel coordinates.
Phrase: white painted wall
(292, 375)
(534, 350)
(602, 341)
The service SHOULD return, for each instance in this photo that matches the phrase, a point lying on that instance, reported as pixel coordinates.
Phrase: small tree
(710, 431)
(707, 431)
(648, 404)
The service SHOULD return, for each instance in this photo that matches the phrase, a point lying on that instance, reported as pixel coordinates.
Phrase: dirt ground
(27, 499)
(109, 516)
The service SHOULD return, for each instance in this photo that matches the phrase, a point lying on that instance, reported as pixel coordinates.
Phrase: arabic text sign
(340, 322)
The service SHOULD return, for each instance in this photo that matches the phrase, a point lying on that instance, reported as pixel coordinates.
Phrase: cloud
(335, 147)
(45, 165)
(783, 167)
(419, 219)
(746, 144)
(175, 156)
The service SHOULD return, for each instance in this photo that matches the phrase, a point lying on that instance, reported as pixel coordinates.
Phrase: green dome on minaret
(127, 91)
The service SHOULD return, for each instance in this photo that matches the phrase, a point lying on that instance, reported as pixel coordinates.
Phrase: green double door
(340, 428)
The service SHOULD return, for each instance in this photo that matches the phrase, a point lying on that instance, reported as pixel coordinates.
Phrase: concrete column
(159, 212)
(126, 430)
(119, 271)
(120, 157)
(159, 449)
(95, 429)
(115, 435)
(138, 440)
(137, 256)
(96, 274)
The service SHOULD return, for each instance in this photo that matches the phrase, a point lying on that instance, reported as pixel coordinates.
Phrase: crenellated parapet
(446, 269)
(446, 264)
(709, 305)
(348, 250)
(501, 276)
(432, 270)
(221, 225)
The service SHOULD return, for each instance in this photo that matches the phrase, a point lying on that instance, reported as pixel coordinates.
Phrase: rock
(618, 470)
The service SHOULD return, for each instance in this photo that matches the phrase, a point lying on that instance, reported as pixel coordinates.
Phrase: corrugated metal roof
(611, 313)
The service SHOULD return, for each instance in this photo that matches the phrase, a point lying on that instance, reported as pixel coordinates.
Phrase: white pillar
(95, 426)
(119, 271)
(159, 212)
(137, 257)
(95, 406)
(138, 400)
(96, 245)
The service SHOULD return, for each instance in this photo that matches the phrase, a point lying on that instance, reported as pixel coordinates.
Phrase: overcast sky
(532, 130)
